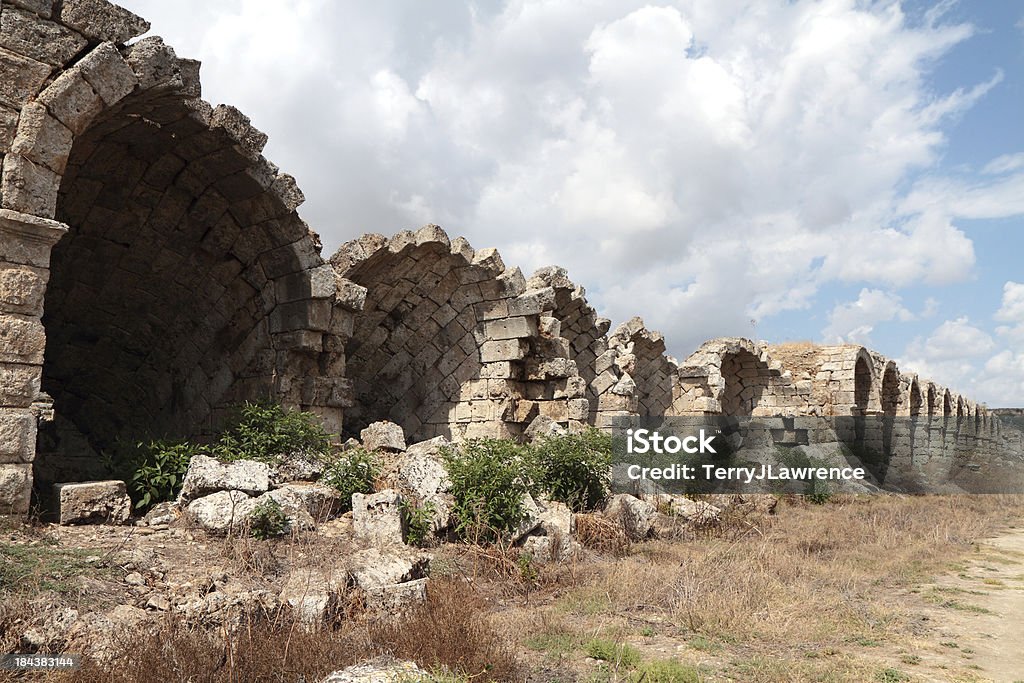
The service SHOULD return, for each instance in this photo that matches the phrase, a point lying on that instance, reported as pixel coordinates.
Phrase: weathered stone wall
(450, 342)
(153, 270)
(182, 278)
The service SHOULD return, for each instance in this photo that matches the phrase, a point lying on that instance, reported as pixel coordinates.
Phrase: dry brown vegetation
(812, 593)
(449, 634)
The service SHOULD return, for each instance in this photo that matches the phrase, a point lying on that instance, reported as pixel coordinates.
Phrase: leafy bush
(153, 471)
(268, 520)
(419, 522)
(488, 484)
(353, 471)
(573, 468)
(269, 432)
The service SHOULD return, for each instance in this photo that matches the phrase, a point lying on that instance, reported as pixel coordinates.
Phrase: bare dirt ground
(975, 616)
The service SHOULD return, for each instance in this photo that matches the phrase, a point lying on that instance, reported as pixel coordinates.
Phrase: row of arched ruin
(154, 271)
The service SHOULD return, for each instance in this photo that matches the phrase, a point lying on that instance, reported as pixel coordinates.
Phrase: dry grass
(597, 532)
(812, 593)
(791, 597)
(448, 633)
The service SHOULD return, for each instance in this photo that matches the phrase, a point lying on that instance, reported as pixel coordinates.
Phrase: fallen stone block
(222, 511)
(556, 548)
(383, 436)
(636, 516)
(90, 502)
(315, 596)
(422, 471)
(396, 597)
(373, 568)
(377, 517)
(207, 475)
(161, 514)
(321, 502)
(378, 671)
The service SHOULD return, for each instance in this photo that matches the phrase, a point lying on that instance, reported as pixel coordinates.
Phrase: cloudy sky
(775, 169)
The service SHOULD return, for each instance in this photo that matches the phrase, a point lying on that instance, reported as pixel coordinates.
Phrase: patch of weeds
(352, 471)
(618, 655)
(555, 644)
(665, 671)
(488, 486)
(891, 675)
(910, 659)
(528, 572)
(647, 631)
(153, 470)
(573, 468)
(268, 520)
(268, 432)
(584, 602)
(966, 607)
(867, 642)
(29, 568)
(950, 644)
(419, 519)
(704, 644)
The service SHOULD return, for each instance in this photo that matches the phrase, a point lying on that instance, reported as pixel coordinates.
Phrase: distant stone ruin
(153, 271)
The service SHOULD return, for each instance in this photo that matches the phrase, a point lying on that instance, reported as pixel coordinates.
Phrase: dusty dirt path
(974, 618)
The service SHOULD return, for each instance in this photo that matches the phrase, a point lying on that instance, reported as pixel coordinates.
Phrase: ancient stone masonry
(153, 270)
(450, 342)
(182, 279)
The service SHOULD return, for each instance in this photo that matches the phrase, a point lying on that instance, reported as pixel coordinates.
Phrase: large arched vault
(181, 278)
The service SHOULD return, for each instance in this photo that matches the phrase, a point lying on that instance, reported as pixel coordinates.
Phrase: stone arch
(914, 398)
(742, 378)
(184, 279)
(641, 355)
(863, 382)
(584, 330)
(889, 398)
(932, 397)
(448, 342)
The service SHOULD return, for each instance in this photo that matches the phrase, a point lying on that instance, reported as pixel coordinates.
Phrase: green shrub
(573, 468)
(269, 432)
(268, 520)
(153, 471)
(419, 521)
(352, 471)
(488, 484)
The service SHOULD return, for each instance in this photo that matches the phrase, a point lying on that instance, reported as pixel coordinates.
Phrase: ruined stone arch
(915, 399)
(931, 398)
(449, 341)
(181, 279)
(889, 397)
(641, 354)
(863, 382)
(584, 331)
(947, 404)
(741, 378)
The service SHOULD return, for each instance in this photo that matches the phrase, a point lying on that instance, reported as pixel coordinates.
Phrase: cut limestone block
(91, 502)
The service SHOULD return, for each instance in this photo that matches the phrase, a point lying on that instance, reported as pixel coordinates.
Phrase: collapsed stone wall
(154, 270)
(449, 342)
